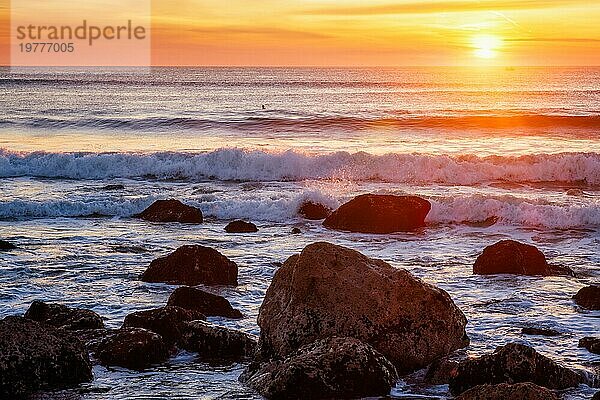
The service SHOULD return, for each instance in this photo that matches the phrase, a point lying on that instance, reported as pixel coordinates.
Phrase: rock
(193, 265)
(166, 321)
(532, 330)
(588, 297)
(4, 245)
(35, 356)
(511, 257)
(113, 187)
(440, 371)
(203, 302)
(504, 391)
(592, 344)
(314, 211)
(241, 227)
(329, 290)
(296, 231)
(171, 211)
(331, 368)
(596, 396)
(132, 348)
(513, 363)
(372, 213)
(64, 317)
(213, 341)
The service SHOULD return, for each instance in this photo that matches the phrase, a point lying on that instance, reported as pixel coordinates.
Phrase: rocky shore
(334, 323)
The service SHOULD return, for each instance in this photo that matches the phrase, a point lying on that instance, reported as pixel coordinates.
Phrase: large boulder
(203, 302)
(592, 344)
(331, 368)
(167, 321)
(212, 341)
(512, 257)
(64, 317)
(240, 227)
(513, 363)
(588, 297)
(193, 265)
(313, 211)
(372, 213)
(132, 348)
(35, 356)
(329, 290)
(171, 211)
(504, 391)
(4, 245)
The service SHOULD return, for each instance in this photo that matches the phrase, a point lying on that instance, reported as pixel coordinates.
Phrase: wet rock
(241, 227)
(167, 321)
(504, 391)
(4, 245)
(113, 187)
(193, 265)
(35, 356)
(91, 338)
(372, 213)
(171, 211)
(588, 297)
(532, 330)
(296, 231)
(512, 257)
(64, 317)
(203, 302)
(132, 348)
(329, 290)
(440, 371)
(332, 368)
(513, 363)
(592, 344)
(313, 211)
(213, 341)
(596, 396)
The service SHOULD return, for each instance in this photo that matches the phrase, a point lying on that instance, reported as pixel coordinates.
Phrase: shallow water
(79, 245)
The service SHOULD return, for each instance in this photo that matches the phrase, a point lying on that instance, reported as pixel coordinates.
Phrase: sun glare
(486, 46)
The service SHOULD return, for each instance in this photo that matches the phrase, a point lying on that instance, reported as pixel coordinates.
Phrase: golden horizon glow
(377, 33)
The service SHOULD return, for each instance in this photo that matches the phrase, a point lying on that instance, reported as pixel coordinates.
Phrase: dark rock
(330, 290)
(35, 356)
(113, 187)
(241, 227)
(372, 213)
(440, 371)
(532, 330)
(332, 368)
(511, 257)
(513, 363)
(214, 342)
(91, 338)
(4, 245)
(166, 321)
(314, 211)
(592, 344)
(296, 231)
(132, 348)
(206, 303)
(64, 317)
(193, 265)
(171, 211)
(596, 396)
(504, 391)
(588, 297)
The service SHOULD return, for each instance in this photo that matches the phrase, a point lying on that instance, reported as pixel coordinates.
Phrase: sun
(486, 46)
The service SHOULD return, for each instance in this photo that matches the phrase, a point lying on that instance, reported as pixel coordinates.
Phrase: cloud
(565, 40)
(428, 7)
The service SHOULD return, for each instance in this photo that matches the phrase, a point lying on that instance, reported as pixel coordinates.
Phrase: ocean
(500, 153)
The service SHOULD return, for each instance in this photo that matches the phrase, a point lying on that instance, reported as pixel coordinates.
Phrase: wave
(313, 123)
(463, 210)
(242, 165)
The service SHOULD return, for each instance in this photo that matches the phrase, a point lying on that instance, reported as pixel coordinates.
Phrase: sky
(367, 33)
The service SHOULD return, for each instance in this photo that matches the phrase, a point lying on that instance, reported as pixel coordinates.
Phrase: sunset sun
(486, 46)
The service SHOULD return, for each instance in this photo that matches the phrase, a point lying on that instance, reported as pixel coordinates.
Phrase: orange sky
(375, 32)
